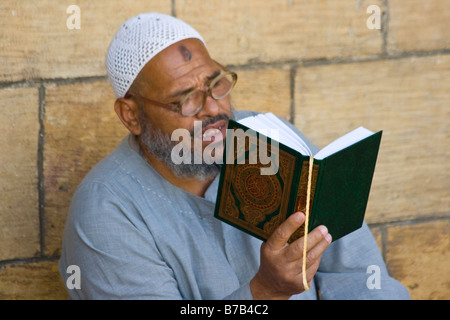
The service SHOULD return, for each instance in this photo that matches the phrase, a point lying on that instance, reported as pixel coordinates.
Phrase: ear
(127, 110)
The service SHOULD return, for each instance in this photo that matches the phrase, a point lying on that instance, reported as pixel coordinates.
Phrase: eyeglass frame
(178, 106)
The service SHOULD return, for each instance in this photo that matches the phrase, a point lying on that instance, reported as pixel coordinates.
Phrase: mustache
(211, 120)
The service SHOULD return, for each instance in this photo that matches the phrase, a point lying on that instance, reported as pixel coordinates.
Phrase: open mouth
(215, 131)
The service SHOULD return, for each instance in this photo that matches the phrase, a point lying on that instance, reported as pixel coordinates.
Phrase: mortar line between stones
(385, 26)
(172, 9)
(292, 75)
(50, 81)
(334, 61)
(15, 262)
(248, 66)
(438, 216)
(383, 233)
(40, 169)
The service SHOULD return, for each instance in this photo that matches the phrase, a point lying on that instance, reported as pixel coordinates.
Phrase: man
(142, 227)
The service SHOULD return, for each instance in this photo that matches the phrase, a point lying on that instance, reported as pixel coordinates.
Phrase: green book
(265, 172)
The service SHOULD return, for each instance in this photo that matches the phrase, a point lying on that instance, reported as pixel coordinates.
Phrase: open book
(339, 178)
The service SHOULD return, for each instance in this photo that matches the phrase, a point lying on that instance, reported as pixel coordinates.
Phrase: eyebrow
(185, 91)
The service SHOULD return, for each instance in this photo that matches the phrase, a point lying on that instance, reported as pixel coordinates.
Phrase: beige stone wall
(314, 63)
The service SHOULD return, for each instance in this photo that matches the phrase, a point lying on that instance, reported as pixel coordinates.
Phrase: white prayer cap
(137, 41)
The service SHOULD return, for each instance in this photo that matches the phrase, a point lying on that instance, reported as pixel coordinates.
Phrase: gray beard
(160, 146)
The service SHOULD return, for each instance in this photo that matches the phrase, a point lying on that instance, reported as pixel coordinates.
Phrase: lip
(219, 126)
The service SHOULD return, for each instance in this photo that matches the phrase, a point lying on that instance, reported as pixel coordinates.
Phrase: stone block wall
(314, 63)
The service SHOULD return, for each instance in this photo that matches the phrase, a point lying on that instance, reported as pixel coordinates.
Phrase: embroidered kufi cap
(137, 41)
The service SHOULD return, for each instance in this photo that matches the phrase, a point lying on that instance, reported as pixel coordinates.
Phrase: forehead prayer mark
(187, 55)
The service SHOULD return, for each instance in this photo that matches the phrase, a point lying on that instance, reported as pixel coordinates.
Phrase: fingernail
(299, 216)
(324, 230)
(328, 238)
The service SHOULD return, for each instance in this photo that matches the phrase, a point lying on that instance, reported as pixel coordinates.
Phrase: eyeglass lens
(220, 88)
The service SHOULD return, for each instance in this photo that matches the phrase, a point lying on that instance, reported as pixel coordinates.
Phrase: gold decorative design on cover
(256, 202)
(259, 195)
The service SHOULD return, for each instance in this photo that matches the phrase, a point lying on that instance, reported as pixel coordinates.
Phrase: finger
(319, 235)
(314, 254)
(311, 271)
(281, 235)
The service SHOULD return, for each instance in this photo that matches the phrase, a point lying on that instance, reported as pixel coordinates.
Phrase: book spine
(301, 193)
(314, 215)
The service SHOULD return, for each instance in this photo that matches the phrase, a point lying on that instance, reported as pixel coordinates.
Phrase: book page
(343, 142)
(274, 128)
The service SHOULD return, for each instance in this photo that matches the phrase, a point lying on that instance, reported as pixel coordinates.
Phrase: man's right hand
(280, 271)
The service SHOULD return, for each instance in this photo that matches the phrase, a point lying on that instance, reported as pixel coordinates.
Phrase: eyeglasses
(194, 100)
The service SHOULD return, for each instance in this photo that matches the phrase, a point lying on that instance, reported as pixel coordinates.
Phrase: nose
(211, 107)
